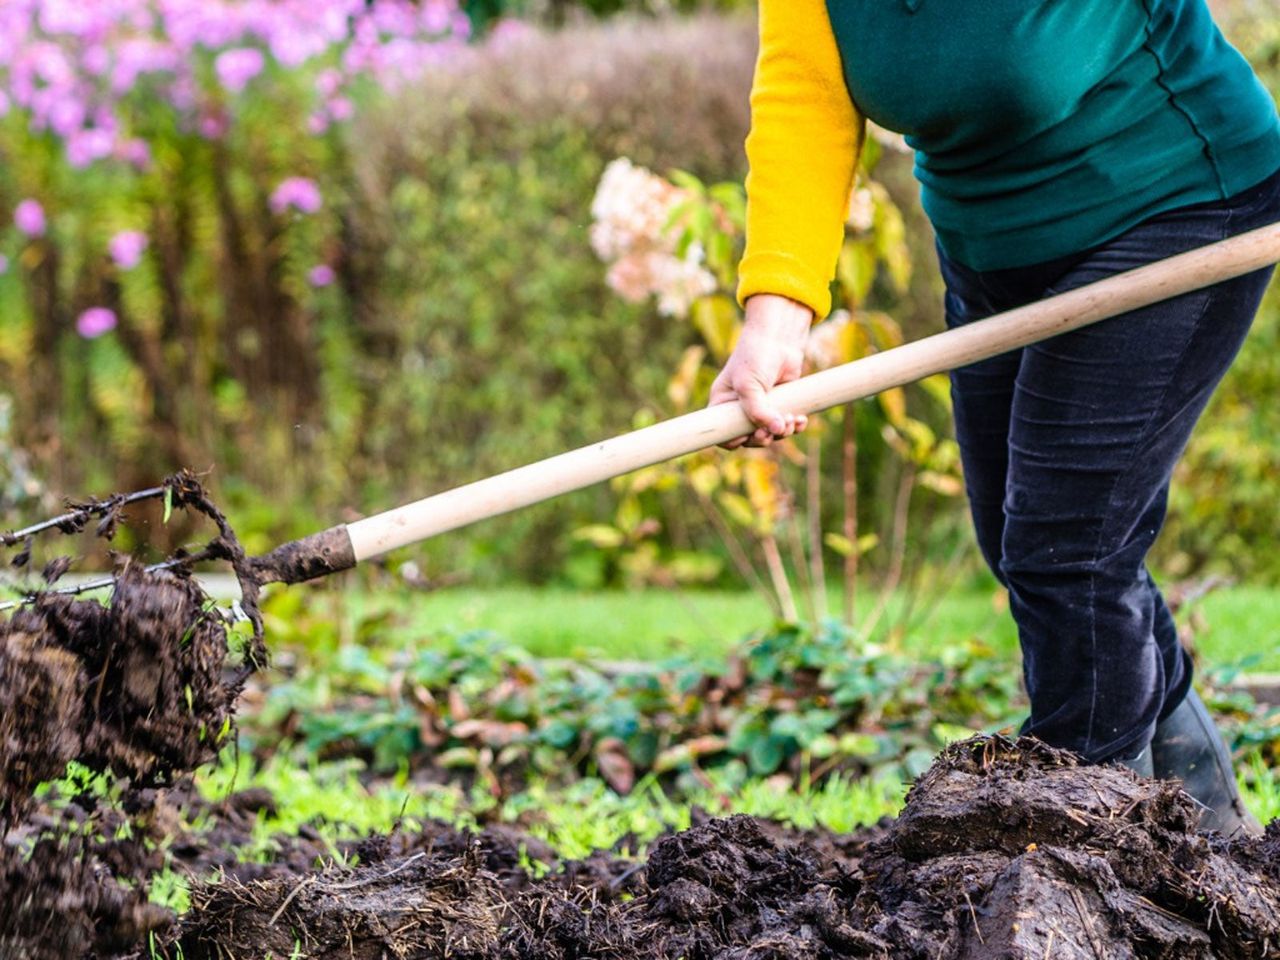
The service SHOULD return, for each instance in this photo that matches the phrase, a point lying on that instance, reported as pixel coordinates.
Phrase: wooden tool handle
(580, 468)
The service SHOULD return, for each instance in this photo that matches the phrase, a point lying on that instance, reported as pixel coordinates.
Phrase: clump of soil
(1005, 849)
(135, 687)
(138, 687)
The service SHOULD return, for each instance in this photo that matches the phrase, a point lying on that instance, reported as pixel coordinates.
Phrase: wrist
(777, 315)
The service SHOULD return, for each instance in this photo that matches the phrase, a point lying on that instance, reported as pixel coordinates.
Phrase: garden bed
(1004, 849)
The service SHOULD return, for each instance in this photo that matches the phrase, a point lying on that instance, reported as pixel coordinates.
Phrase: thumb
(754, 398)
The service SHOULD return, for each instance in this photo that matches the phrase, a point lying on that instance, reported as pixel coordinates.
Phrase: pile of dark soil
(1006, 849)
(138, 687)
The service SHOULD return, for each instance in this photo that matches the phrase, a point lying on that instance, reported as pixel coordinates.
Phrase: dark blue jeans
(1068, 447)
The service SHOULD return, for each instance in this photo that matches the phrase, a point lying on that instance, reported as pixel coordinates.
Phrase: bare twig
(1087, 922)
(737, 553)
(799, 562)
(813, 512)
(899, 549)
(79, 514)
(778, 574)
(103, 582)
(849, 467)
(365, 881)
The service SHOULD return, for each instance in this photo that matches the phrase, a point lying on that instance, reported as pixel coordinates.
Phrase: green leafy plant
(680, 240)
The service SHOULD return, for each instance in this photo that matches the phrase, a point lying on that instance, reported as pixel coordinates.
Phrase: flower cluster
(73, 64)
(633, 232)
(91, 76)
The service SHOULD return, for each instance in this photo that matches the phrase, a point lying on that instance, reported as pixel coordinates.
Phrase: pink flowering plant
(174, 171)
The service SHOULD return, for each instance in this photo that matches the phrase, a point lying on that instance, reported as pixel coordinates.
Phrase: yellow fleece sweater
(802, 150)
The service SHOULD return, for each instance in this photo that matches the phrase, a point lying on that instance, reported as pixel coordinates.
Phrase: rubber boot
(1142, 764)
(1187, 747)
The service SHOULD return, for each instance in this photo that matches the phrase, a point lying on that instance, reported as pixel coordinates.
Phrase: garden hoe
(345, 546)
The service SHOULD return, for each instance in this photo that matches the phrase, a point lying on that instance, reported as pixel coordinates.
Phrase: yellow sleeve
(802, 152)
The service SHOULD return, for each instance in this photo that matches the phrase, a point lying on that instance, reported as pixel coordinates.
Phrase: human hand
(770, 351)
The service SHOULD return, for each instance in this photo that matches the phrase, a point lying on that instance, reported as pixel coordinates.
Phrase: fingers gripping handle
(592, 464)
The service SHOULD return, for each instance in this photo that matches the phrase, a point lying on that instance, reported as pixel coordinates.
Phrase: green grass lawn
(1235, 623)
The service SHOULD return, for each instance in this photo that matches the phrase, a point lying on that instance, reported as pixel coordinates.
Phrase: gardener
(1056, 144)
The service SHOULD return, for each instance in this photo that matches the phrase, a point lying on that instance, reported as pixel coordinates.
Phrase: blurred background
(336, 256)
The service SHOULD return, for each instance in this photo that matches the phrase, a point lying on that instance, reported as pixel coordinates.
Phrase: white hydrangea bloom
(632, 210)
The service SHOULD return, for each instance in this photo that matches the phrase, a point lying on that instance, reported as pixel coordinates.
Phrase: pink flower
(65, 114)
(300, 193)
(328, 82)
(95, 321)
(212, 126)
(86, 146)
(340, 109)
(29, 218)
(96, 60)
(135, 152)
(321, 275)
(236, 67)
(126, 248)
(507, 32)
(317, 124)
(435, 16)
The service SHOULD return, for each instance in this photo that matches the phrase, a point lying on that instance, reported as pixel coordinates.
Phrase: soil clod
(135, 688)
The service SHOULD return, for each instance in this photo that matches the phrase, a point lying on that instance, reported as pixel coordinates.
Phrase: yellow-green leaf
(738, 508)
(716, 319)
(894, 404)
(600, 535)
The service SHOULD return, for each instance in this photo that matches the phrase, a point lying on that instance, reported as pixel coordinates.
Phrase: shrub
(500, 340)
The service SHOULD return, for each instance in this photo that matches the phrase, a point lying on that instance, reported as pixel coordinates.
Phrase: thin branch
(737, 553)
(901, 509)
(813, 512)
(849, 467)
(778, 574)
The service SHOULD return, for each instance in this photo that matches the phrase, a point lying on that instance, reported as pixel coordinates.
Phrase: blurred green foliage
(794, 700)
(468, 329)
(1225, 500)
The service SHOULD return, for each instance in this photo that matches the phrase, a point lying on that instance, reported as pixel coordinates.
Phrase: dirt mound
(1006, 849)
(1010, 849)
(416, 905)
